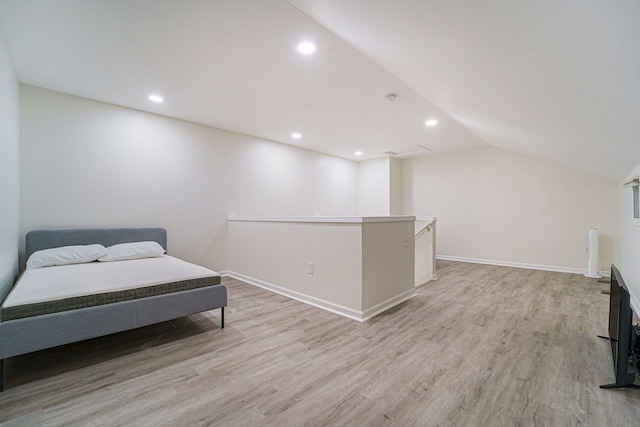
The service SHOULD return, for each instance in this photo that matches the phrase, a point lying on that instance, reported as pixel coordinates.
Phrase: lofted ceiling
(557, 80)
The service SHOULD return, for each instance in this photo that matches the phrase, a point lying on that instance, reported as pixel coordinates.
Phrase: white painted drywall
(271, 179)
(279, 253)
(627, 253)
(91, 164)
(361, 266)
(425, 232)
(9, 167)
(395, 186)
(380, 187)
(499, 207)
(374, 187)
(388, 266)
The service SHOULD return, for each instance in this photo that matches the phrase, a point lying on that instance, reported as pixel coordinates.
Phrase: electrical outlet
(310, 265)
(405, 241)
(586, 250)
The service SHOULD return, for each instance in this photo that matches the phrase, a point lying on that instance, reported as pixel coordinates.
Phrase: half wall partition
(357, 267)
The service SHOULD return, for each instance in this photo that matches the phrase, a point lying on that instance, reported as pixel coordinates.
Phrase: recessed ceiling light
(358, 153)
(306, 48)
(296, 135)
(431, 122)
(156, 98)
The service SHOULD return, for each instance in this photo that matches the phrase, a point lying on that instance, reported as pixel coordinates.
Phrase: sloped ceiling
(556, 80)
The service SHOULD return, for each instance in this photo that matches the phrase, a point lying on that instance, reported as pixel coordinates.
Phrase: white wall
(499, 207)
(277, 254)
(374, 187)
(425, 241)
(271, 179)
(388, 266)
(361, 266)
(86, 164)
(380, 187)
(395, 186)
(627, 257)
(9, 167)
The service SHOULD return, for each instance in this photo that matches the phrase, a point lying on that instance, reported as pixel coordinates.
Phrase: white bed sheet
(67, 281)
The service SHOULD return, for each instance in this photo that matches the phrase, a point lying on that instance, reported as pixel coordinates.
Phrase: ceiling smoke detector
(390, 97)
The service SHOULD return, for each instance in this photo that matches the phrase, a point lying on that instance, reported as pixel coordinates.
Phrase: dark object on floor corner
(620, 332)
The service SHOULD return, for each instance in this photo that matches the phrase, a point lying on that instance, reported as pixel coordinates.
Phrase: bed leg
(221, 317)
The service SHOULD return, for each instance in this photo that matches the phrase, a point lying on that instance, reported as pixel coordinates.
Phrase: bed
(36, 315)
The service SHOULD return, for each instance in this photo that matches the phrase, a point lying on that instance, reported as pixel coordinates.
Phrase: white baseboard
(386, 305)
(433, 277)
(360, 316)
(517, 265)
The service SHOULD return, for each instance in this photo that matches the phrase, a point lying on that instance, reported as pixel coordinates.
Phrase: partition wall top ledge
(319, 219)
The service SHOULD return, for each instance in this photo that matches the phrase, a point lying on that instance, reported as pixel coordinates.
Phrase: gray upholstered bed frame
(29, 334)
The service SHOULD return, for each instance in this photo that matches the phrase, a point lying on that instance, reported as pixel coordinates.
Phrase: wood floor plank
(481, 346)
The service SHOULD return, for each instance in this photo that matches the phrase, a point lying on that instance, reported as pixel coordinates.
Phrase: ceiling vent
(409, 152)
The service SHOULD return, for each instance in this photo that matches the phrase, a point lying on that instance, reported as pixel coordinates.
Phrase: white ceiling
(558, 80)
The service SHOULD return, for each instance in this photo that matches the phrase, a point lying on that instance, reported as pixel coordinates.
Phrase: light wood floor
(481, 346)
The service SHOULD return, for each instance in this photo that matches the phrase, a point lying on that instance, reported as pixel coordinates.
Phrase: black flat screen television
(620, 332)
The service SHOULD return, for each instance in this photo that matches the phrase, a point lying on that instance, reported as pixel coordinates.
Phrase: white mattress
(54, 283)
